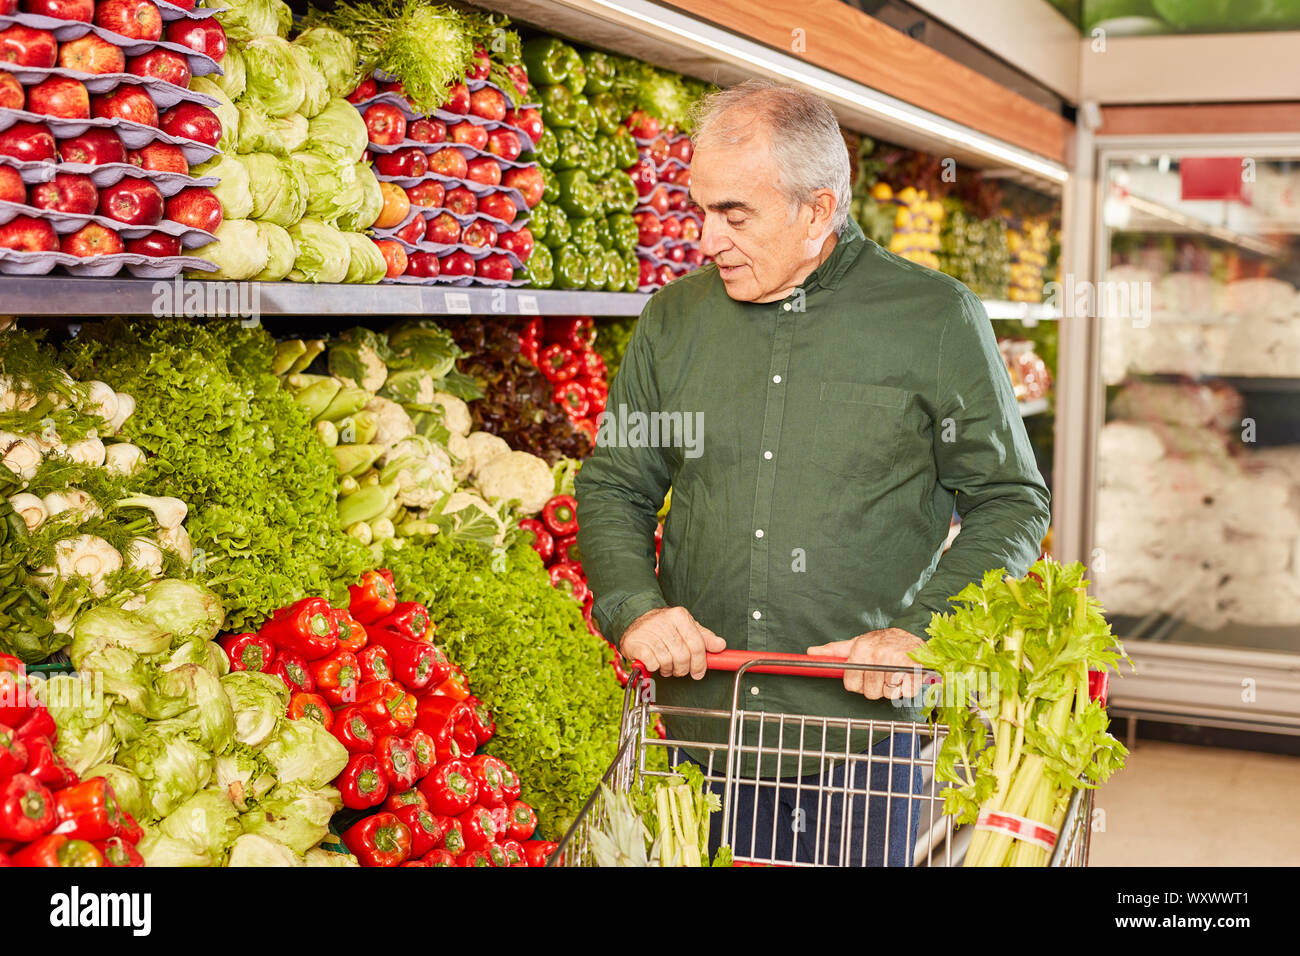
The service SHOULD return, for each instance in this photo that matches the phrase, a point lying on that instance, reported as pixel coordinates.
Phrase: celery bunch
(1019, 653)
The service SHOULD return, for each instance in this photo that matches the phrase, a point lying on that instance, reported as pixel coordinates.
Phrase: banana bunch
(917, 223)
(1029, 241)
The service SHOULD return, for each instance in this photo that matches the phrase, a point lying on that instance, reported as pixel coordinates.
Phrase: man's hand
(891, 645)
(670, 641)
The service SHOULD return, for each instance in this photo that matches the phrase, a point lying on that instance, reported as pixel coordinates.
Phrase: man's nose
(713, 236)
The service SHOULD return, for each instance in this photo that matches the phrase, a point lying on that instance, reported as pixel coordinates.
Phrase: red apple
(23, 46)
(488, 103)
(443, 228)
(504, 143)
(479, 234)
(494, 267)
(484, 169)
(28, 234)
(67, 192)
(645, 273)
(413, 231)
(137, 19)
(649, 228)
(669, 174)
(658, 150)
(528, 120)
(518, 78)
(528, 180)
(683, 178)
(62, 9)
(136, 202)
(644, 176)
(429, 194)
(676, 254)
(11, 92)
(91, 239)
(28, 142)
(385, 123)
(520, 242)
(202, 36)
(690, 230)
(365, 89)
(12, 187)
(658, 200)
(8, 7)
(91, 54)
(157, 244)
(160, 157)
(457, 264)
(499, 206)
(677, 200)
(162, 64)
(183, 4)
(642, 124)
(423, 264)
(672, 227)
(694, 258)
(195, 206)
(59, 96)
(681, 148)
(95, 146)
(468, 134)
(427, 131)
(457, 99)
(407, 163)
(461, 201)
(449, 162)
(192, 121)
(127, 102)
(480, 66)
(394, 254)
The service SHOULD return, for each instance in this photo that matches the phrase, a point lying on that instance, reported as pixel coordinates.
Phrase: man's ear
(823, 211)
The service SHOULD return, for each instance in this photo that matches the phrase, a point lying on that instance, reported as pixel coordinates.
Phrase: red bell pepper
(353, 730)
(57, 850)
(572, 397)
(424, 749)
(567, 578)
(425, 832)
(560, 515)
(480, 720)
(408, 618)
(566, 551)
(440, 858)
(87, 810)
(337, 677)
(248, 651)
(311, 707)
(487, 775)
(474, 858)
(388, 707)
(523, 821)
(127, 828)
(597, 398)
(450, 788)
(416, 663)
(397, 760)
(378, 840)
(374, 663)
(530, 349)
(13, 753)
(514, 851)
(15, 706)
(534, 330)
(117, 851)
(445, 745)
(397, 799)
(362, 783)
(372, 598)
(306, 628)
(453, 838)
(539, 851)
(39, 723)
(509, 781)
(434, 711)
(558, 363)
(501, 821)
(542, 541)
(420, 862)
(295, 673)
(497, 855)
(577, 332)
(46, 765)
(455, 686)
(593, 365)
(352, 633)
(26, 808)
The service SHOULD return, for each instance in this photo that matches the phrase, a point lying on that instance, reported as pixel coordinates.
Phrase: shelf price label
(456, 303)
(527, 305)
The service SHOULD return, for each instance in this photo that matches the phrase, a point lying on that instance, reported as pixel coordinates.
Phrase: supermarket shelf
(1020, 311)
(1033, 407)
(67, 296)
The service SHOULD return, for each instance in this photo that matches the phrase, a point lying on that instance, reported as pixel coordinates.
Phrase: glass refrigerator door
(1197, 517)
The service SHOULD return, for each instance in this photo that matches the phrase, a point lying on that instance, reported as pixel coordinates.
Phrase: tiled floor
(1177, 805)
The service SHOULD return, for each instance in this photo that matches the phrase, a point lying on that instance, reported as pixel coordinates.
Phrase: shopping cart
(846, 787)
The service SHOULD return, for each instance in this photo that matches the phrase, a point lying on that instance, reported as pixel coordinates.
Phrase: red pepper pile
(47, 816)
(561, 347)
(373, 676)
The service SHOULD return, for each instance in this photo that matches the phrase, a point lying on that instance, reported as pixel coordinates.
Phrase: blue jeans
(789, 821)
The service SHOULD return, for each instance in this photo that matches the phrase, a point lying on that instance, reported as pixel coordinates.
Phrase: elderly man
(847, 399)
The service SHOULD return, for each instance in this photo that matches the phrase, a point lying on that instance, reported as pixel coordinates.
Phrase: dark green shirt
(832, 434)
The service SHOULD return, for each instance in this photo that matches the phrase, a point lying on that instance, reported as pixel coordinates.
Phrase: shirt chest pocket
(858, 430)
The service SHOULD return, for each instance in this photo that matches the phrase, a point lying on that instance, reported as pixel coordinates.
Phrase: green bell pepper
(557, 105)
(582, 235)
(584, 117)
(601, 158)
(631, 271)
(614, 271)
(557, 227)
(604, 235)
(600, 72)
(547, 60)
(572, 151)
(547, 148)
(538, 218)
(605, 105)
(570, 269)
(618, 192)
(625, 151)
(575, 72)
(551, 187)
(578, 194)
(622, 228)
(541, 267)
(597, 273)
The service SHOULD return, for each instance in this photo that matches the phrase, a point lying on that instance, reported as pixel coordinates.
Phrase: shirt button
(758, 533)
(754, 691)
(786, 306)
(767, 455)
(757, 615)
(776, 378)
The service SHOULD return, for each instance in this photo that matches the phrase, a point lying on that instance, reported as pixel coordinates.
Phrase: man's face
(760, 251)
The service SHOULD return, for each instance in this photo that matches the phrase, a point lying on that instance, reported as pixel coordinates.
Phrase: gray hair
(805, 137)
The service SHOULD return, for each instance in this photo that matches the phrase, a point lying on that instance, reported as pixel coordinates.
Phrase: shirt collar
(846, 251)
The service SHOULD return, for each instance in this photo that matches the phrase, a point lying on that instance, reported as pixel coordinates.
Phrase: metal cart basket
(849, 793)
